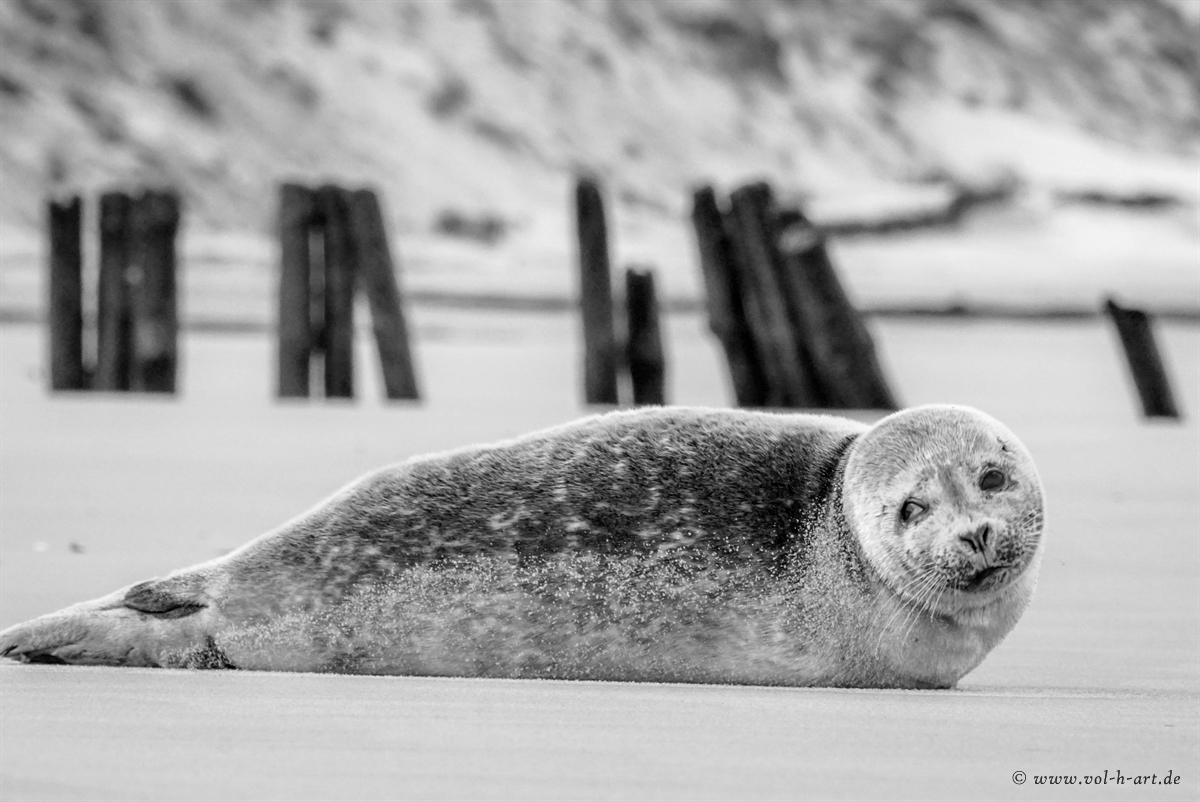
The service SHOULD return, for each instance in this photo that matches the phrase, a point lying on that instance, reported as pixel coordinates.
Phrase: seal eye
(991, 480)
(911, 509)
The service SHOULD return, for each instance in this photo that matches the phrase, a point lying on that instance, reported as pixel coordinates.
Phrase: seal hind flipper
(157, 623)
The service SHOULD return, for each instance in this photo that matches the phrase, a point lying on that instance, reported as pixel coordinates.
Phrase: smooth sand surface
(99, 491)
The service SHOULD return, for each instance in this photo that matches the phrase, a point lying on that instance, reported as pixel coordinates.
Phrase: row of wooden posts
(333, 242)
(135, 317)
(790, 335)
(605, 357)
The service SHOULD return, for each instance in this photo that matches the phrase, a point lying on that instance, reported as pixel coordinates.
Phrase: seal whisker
(933, 587)
(909, 604)
(917, 606)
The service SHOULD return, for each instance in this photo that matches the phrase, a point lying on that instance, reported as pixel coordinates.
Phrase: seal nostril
(978, 539)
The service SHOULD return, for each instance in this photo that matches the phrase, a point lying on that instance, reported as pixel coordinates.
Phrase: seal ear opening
(165, 598)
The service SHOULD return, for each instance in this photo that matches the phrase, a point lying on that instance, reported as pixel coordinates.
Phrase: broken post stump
(297, 209)
(839, 345)
(752, 226)
(644, 351)
(600, 345)
(724, 301)
(378, 277)
(114, 319)
(155, 223)
(1145, 363)
(64, 224)
(333, 209)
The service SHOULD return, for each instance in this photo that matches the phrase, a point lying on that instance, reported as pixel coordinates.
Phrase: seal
(659, 544)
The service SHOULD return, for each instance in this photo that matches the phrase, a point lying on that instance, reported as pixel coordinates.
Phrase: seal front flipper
(167, 622)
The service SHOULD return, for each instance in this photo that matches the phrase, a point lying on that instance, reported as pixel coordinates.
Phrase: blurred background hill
(471, 116)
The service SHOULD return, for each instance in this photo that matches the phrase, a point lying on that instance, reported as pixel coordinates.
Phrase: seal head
(948, 509)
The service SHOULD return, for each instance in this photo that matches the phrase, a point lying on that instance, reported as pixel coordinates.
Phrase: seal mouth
(983, 575)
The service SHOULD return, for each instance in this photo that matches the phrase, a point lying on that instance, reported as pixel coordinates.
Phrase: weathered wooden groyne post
(114, 322)
(64, 224)
(377, 277)
(136, 316)
(832, 330)
(155, 358)
(599, 328)
(1144, 360)
(297, 209)
(332, 243)
(340, 271)
(791, 336)
(644, 349)
(726, 302)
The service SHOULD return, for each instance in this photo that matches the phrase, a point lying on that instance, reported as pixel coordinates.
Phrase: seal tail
(165, 622)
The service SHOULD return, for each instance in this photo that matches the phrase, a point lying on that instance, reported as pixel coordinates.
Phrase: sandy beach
(97, 491)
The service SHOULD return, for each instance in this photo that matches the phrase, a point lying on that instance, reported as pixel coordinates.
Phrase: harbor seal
(657, 544)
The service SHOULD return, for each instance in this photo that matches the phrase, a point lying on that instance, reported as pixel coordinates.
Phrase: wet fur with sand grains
(659, 544)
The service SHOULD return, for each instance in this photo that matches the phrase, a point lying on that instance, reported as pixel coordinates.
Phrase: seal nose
(978, 539)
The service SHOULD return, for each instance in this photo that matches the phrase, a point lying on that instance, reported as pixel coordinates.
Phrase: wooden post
(64, 221)
(789, 378)
(1145, 363)
(647, 364)
(340, 269)
(155, 223)
(758, 319)
(295, 338)
(114, 319)
(378, 278)
(317, 323)
(600, 344)
(726, 308)
(840, 348)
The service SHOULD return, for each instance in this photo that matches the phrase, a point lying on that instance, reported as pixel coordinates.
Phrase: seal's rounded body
(672, 544)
